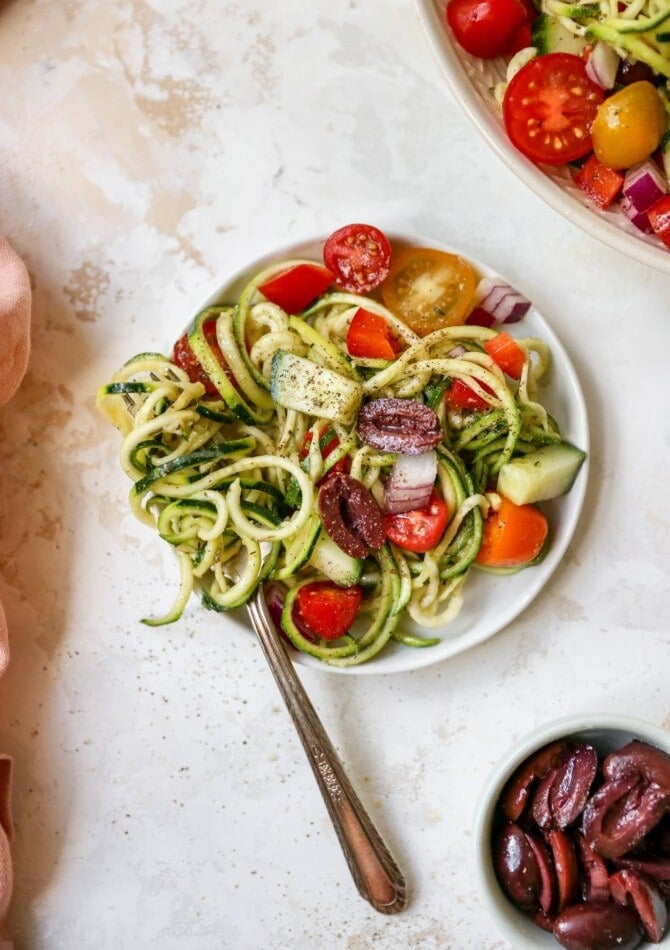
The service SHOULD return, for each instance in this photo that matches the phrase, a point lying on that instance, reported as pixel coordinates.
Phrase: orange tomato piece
(429, 289)
(513, 535)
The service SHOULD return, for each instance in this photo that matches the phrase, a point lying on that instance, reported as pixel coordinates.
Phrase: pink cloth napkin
(15, 300)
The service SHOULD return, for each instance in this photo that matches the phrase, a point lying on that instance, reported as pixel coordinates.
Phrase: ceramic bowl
(471, 80)
(606, 732)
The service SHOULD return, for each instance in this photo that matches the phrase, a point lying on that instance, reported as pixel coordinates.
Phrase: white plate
(490, 601)
(470, 80)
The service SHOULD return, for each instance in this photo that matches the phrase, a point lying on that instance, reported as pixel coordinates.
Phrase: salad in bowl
(358, 426)
(575, 98)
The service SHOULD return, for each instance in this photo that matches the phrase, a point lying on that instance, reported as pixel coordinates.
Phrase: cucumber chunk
(550, 36)
(331, 561)
(541, 475)
(297, 383)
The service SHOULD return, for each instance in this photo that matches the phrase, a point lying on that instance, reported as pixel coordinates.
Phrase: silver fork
(375, 873)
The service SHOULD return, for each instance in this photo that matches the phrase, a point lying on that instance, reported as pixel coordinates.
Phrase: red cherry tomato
(507, 353)
(359, 255)
(369, 336)
(485, 27)
(461, 396)
(549, 107)
(419, 530)
(328, 610)
(185, 358)
(295, 288)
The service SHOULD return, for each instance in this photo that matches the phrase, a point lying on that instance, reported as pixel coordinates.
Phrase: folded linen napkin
(15, 301)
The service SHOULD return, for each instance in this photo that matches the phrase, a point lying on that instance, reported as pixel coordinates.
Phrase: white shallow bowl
(490, 601)
(470, 80)
(606, 732)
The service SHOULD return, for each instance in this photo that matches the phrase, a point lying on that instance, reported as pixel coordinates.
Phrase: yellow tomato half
(629, 125)
(429, 289)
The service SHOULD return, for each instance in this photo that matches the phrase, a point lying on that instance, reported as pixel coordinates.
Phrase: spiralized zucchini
(230, 480)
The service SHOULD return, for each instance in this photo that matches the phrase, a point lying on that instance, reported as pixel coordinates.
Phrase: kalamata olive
(516, 793)
(640, 757)
(664, 836)
(545, 865)
(629, 72)
(516, 867)
(399, 425)
(595, 925)
(595, 875)
(561, 794)
(565, 867)
(541, 806)
(656, 868)
(350, 515)
(647, 901)
(572, 784)
(621, 813)
(545, 921)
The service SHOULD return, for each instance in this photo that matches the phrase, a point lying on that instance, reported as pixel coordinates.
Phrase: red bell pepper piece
(599, 183)
(507, 353)
(659, 218)
(369, 336)
(295, 288)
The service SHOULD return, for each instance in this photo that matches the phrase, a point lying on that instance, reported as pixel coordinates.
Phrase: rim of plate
(395, 658)
(599, 225)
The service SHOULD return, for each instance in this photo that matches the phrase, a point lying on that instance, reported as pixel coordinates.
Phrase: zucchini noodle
(230, 478)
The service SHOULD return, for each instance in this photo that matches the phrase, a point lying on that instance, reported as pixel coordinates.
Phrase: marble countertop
(161, 796)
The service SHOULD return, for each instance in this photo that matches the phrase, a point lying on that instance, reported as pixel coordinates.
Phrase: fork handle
(375, 873)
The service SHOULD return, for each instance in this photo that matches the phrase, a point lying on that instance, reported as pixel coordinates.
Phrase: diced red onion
(481, 318)
(603, 65)
(500, 301)
(644, 184)
(639, 218)
(456, 352)
(411, 482)
(274, 598)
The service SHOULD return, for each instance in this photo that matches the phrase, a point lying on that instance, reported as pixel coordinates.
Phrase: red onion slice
(411, 482)
(501, 302)
(603, 65)
(481, 318)
(644, 184)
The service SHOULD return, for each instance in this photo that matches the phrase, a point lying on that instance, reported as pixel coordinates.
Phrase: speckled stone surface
(161, 796)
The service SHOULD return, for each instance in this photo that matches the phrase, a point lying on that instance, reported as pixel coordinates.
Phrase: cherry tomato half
(294, 288)
(485, 27)
(359, 255)
(429, 289)
(185, 358)
(419, 530)
(328, 610)
(461, 396)
(549, 108)
(513, 535)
